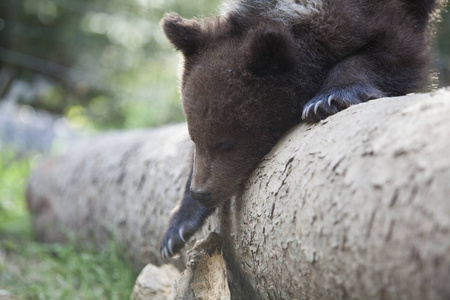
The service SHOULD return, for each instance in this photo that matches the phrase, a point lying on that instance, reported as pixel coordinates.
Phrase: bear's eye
(225, 146)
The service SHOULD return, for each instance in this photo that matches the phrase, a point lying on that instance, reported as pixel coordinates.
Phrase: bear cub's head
(238, 95)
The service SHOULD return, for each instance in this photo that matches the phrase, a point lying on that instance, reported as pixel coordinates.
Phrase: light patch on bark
(155, 283)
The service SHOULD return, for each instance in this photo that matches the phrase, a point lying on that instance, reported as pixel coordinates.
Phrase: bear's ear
(269, 49)
(184, 34)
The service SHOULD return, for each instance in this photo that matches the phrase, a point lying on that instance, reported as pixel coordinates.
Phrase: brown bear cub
(264, 66)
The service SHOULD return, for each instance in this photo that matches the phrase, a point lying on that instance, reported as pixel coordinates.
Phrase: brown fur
(248, 77)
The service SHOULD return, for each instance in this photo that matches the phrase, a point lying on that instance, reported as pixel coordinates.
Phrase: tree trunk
(120, 185)
(355, 207)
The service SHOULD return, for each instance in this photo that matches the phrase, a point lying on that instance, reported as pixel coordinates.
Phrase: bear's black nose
(203, 198)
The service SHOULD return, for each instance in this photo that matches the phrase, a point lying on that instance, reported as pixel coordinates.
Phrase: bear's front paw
(182, 227)
(336, 99)
(175, 237)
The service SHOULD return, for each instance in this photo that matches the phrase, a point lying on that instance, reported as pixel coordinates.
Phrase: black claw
(337, 99)
(182, 226)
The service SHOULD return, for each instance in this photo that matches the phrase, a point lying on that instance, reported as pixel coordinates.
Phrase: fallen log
(119, 185)
(354, 207)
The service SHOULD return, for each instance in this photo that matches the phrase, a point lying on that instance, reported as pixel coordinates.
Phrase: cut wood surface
(354, 207)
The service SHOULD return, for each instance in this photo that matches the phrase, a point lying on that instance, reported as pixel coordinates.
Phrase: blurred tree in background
(106, 63)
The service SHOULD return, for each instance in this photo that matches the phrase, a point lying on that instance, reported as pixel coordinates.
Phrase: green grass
(31, 270)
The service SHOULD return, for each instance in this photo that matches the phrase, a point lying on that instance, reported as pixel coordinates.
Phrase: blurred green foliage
(14, 171)
(30, 270)
(113, 65)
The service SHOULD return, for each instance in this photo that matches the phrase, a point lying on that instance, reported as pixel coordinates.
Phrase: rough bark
(355, 207)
